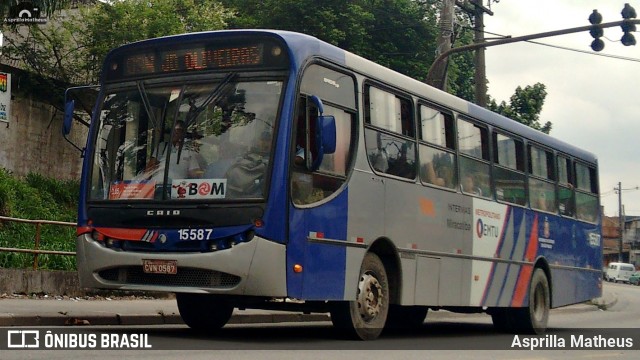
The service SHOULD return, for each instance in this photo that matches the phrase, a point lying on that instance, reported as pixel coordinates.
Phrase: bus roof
(304, 47)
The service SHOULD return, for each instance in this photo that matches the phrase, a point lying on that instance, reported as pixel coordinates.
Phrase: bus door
(318, 203)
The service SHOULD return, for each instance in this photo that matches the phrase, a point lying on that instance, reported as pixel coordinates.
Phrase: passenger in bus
(431, 176)
(245, 178)
(226, 157)
(468, 185)
(440, 176)
(541, 201)
(184, 161)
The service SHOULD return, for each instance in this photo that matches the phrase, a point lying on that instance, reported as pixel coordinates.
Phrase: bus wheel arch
(388, 254)
(541, 263)
(365, 317)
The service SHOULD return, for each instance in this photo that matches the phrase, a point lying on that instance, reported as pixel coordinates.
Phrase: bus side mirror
(328, 133)
(83, 96)
(69, 107)
(325, 140)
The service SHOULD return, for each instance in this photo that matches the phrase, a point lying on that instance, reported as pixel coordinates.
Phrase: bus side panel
(312, 231)
(503, 279)
(576, 244)
(366, 222)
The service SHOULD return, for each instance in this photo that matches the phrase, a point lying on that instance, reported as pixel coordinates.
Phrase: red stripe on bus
(522, 285)
(123, 234)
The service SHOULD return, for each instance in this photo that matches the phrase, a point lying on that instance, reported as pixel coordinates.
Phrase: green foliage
(107, 26)
(394, 33)
(525, 106)
(37, 198)
(71, 47)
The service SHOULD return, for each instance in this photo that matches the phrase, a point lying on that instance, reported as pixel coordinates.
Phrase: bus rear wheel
(365, 317)
(531, 319)
(203, 312)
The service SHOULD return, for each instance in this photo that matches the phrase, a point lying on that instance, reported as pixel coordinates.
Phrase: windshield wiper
(146, 103)
(214, 96)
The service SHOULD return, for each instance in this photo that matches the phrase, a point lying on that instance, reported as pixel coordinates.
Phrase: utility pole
(480, 77)
(621, 221)
(439, 75)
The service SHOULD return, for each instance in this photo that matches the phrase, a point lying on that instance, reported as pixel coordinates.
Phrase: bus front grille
(184, 277)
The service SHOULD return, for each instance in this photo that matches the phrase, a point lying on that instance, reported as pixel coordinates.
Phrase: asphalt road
(443, 336)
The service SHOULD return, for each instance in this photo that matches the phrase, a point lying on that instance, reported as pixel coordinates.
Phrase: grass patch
(36, 197)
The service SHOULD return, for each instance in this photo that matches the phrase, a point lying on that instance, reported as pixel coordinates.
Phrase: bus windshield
(185, 141)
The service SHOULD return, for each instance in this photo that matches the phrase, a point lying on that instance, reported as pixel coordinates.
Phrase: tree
(395, 33)
(525, 106)
(71, 47)
(107, 26)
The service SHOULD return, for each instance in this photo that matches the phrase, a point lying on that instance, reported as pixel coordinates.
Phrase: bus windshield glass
(187, 141)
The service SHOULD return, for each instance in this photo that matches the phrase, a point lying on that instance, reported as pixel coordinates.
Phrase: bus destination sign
(190, 59)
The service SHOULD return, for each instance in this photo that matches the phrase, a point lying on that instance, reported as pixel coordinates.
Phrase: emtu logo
(483, 229)
(479, 228)
(24, 13)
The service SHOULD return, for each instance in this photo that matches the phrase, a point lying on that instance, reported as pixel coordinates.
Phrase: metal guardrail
(36, 248)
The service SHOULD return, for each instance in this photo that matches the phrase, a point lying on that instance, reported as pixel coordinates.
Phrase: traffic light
(596, 32)
(628, 12)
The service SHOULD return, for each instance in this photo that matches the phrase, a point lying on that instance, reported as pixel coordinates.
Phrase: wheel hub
(369, 297)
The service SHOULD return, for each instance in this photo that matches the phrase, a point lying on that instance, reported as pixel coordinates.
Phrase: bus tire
(533, 318)
(502, 319)
(365, 317)
(405, 317)
(203, 312)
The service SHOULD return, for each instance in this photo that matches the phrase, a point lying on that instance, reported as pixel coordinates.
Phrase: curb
(146, 319)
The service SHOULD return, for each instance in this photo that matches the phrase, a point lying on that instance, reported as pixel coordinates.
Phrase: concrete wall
(32, 141)
(57, 283)
(19, 281)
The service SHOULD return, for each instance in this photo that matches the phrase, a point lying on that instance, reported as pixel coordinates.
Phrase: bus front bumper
(255, 268)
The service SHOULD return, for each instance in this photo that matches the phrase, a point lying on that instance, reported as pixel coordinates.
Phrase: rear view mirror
(78, 105)
(325, 127)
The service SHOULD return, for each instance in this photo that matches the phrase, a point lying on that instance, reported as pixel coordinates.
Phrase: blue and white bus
(269, 169)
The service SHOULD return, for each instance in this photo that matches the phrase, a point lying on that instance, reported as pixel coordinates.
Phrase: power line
(567, 48)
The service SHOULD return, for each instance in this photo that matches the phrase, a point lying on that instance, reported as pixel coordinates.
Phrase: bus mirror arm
(69, 107)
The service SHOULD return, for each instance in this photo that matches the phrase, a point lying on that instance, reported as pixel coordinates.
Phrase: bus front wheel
(365, 317)
(203, 312)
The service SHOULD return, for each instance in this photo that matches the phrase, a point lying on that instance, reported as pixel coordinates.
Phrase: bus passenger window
(509, 169)
(541, 181)
(438, 167)
(475, 172)
(566, 200)
(586, 193)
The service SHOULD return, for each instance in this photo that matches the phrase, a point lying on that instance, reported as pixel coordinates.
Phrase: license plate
(160, 266)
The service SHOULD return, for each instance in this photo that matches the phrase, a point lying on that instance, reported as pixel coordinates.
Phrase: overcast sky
(592, 100)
